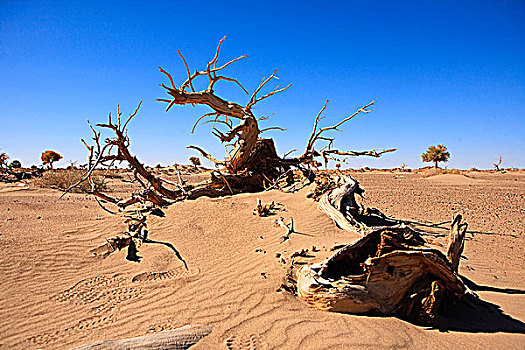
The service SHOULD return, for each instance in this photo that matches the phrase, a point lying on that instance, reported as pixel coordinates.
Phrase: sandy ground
(55, 295)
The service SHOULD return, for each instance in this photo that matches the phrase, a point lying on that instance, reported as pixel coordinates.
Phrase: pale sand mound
(453, 179)
(55, 295)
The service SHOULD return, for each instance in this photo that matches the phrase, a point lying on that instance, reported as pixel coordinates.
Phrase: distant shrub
(72, 164)
(63, 179)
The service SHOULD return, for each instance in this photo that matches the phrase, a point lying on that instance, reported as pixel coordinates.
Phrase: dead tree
(496, 165)
(252, 156)
(253, 164)
(247, 131)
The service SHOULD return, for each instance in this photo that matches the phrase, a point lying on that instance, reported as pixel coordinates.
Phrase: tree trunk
(390, 271)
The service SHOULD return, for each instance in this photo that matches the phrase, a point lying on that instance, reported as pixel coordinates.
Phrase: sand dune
(454, 179)
(56, 295)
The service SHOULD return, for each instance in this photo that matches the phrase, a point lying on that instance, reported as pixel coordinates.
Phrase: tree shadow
(172, 247)
(132, 254)
(374, 217)
(479, 288)
(474, 315)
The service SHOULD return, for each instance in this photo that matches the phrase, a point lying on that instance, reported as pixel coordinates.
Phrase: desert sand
(56, 295)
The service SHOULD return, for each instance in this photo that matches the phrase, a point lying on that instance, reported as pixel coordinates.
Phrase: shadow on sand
(474, 315)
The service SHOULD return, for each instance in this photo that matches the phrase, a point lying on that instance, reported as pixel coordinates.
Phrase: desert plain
(55, 294)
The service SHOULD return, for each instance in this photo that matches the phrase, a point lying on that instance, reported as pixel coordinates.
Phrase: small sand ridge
(454, 179)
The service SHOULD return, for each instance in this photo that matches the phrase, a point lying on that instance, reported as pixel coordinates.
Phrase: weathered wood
(339, 203)
(264, 209)
(177, 339)
(456, 241)
(391, 271)
(336, 196)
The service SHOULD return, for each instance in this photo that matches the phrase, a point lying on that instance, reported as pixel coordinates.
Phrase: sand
(56, 295)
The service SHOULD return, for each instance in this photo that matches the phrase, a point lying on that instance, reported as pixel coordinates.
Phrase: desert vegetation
(436, 154)
(195, 161)
(49, 157)
(62, 179)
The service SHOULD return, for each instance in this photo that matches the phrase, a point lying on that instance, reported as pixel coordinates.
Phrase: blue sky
(450, 72)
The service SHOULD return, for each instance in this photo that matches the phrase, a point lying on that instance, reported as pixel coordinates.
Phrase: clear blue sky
(450, 72)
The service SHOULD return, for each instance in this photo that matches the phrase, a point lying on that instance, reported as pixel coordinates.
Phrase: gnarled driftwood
(390, 271)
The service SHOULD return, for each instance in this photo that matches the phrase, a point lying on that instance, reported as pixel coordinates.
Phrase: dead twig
(288, 227)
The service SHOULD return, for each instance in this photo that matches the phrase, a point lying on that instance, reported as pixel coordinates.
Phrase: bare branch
(190, 78)
(373, 153)
(131, 116)
(227, 64)
(169, 77)
(216, 79)
(205, 154)
(316, 134)
(204, 116)
(254, 99)
(311, 140)
(275, 91)
(289, 152)
(214, 60)
(272, 128)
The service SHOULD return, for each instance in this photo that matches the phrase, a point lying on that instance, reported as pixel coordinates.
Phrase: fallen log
(177, 339)
(390, 271)
(336, 196)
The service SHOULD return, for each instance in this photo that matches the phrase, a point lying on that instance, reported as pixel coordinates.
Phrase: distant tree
(338, 166)
(15, 164)
(3, 160)
(496, 165)
(49, 157)
(436, 154)
(72, 164)
(196, 161)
